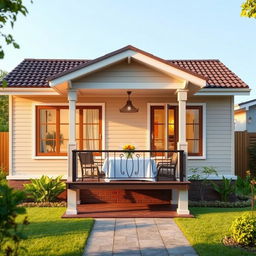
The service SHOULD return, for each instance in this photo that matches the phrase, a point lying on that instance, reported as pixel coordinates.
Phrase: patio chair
(89, 168)
(167, 169)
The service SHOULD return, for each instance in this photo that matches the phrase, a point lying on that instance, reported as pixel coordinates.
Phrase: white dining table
(117, 168)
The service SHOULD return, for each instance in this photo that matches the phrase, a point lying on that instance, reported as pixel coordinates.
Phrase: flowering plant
(128, 147)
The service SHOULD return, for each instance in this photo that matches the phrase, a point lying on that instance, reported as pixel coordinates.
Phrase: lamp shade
(128, 107)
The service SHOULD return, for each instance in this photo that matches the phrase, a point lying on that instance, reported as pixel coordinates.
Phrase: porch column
(182, 143)
(72, 195)
(72, 98)
(183, 202)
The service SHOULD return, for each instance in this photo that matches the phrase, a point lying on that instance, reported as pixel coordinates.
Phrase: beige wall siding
(120, 129)
(128, 73)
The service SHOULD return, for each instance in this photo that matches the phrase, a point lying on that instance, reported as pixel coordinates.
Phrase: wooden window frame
(166, 107)
(80, 123)
(200, 108)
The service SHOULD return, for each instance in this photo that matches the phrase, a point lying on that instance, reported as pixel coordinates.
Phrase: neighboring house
(245, 116)
(183, 104)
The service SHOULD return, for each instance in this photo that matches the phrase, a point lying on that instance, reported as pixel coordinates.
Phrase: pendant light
(129, 108)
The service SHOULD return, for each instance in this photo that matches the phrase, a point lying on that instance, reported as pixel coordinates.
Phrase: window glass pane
(91, 131)
(47, 146)
(63, 146)
(64, 128)
(192, 131)
(91, 144)
(159, 116)
(193, 146)
(48, 132)
(47, 116)
(171, 129)
(64, 115)
(171, 116)
(159, 132)
(91, 116)
(77, 132)
(77, 116)
(192, 116)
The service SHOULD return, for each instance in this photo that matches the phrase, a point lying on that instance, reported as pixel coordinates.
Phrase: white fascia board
(133, 86)
(223, 91)
(247, 105)
(172, 71)
(92, 68)
(27, 91)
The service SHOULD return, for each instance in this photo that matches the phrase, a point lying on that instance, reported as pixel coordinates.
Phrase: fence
(243, 140)
(4, 150)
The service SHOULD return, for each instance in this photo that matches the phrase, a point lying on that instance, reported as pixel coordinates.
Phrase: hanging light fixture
(129, 108)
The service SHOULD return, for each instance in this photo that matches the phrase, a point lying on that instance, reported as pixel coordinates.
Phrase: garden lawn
(50, 235)
(205, 232)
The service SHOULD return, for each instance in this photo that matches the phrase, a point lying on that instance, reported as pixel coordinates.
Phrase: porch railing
(110, 165)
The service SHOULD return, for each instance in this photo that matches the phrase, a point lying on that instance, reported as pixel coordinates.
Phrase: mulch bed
(229, 241)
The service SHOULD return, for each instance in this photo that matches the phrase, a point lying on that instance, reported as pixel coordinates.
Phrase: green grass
(50, 235)
(205, 232)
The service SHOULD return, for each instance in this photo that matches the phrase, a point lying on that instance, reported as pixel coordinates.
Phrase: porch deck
(126, 210)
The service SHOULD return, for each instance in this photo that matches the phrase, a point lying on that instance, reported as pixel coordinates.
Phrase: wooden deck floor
(127, 210)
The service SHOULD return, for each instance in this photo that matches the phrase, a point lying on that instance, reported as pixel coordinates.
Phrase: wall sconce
(249, 119)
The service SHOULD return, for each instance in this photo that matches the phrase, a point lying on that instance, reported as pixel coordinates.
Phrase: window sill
(196, 157)
(50, 157)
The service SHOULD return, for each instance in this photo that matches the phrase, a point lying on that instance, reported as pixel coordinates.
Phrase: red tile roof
(36, 72)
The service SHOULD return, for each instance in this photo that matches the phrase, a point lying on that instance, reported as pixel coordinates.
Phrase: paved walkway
(142, 237)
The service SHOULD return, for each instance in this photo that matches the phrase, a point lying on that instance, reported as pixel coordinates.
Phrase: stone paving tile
(137, 237)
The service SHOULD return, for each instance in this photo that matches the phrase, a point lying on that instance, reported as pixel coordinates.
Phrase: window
(53, 129)
(165, 121)
(194, 130)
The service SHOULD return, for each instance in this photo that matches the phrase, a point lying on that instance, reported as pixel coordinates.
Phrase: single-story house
(66, 114)
(245, 116)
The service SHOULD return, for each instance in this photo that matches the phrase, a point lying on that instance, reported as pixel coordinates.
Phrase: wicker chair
(89, 168)
(167, 169)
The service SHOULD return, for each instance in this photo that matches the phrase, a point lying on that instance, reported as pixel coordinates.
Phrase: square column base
(71, 202)
(183, 202)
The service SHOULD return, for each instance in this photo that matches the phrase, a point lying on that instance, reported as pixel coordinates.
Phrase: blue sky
(169, 29)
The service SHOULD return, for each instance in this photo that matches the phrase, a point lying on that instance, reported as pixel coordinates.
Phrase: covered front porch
(157, 129)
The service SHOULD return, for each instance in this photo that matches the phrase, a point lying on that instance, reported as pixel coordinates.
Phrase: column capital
(182, 94)
(72, 95)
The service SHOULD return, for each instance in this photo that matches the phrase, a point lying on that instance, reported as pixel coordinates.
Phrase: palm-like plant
(45, 189)
(225, 189)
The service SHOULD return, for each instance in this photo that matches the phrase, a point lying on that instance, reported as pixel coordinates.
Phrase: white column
(182, 99)
(182, 202)
(71, 202)
(72, 98)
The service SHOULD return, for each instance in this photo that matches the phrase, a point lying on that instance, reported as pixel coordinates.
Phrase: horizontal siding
(128, 73)
(121, 129)
(218, 135)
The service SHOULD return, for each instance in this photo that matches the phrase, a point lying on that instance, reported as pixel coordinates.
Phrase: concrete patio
(137, 236)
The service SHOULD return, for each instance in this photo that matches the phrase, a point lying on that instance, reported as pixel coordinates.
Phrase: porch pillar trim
(182, 143)
(72, 98)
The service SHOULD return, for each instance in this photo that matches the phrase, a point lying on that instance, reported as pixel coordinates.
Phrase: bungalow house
(68, 116)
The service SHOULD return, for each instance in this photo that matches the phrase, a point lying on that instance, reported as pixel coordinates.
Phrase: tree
(249, 9)
(4, 106)
(9, 10)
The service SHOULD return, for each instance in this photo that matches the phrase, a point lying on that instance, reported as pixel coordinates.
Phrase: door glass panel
(172, 129)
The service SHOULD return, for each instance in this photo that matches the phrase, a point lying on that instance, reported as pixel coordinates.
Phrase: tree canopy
(9, 10)
(4, 108)
(249, 9)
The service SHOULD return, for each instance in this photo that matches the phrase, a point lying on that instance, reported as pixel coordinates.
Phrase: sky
(83, 29)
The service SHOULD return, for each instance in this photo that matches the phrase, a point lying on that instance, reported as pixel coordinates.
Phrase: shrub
(45, 189)
(243, 230)
(11, 233)
(225, 189)
(243, 189)
(3, 175)
(202, 174)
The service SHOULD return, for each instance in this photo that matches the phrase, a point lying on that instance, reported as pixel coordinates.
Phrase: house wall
(240, 121)
(251, 125)
(120, 129)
